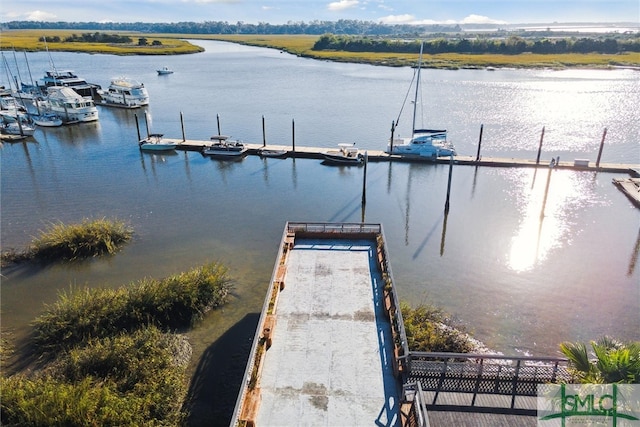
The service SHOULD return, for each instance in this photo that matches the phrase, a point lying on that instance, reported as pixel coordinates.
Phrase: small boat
(272, 152)
(164, 70)
(154, 142)
(423, 143)
(17, 126)
(346, 154)
(47, 120)
(70, 106)
(125, 93)
(225, 148)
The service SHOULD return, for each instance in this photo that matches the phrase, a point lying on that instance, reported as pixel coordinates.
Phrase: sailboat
(423, 143)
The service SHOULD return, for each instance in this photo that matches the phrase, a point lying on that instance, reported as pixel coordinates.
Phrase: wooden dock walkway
(330, 348)
(381, 156)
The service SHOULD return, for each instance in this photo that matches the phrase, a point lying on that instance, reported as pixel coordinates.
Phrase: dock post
(364, 179)
(604, 134)
(218, 120)
(479, 143)
(137, 127)
(393, 128)
(182, 126)
(446, 204)
(293, 135)
(540, 146)
(146, 122)
(546, 189)
(264, 137)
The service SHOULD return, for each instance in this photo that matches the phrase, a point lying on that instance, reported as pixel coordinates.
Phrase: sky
(284, 11)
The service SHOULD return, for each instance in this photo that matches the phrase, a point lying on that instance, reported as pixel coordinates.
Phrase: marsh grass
(302, 45)
(110, 357)
(121, 380)
(73, 242)
(172, 303)
(30, 40)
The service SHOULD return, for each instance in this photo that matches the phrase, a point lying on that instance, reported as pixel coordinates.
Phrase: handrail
(331, 228)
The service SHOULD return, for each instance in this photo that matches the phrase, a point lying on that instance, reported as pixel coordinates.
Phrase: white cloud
(38, 15)
(338, 6)
(479, 19)
(398, 19)
(411, 20)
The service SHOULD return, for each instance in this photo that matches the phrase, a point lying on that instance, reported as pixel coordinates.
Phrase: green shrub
(427, 330)
(174, 302)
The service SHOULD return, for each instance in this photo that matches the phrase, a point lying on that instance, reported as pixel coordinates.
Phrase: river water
(520, 279)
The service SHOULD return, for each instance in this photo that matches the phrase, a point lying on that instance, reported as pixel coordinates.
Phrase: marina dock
(330, 348)
(381, 156)
(324, 352)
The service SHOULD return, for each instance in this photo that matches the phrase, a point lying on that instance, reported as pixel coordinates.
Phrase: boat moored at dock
(225, 148)
(124, 92)
(70, 106)
(346, 154)
(154, 142)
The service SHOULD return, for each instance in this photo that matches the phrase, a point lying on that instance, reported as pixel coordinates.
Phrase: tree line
(98, 37)
(512, 45)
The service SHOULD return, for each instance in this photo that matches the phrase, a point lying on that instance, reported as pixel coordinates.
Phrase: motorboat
(225, 148)
(124, 92)
(164, 70)
(69, 105)
(272, 152)
(346, 154)
(154, 142)
(65, 78)
(423, 143)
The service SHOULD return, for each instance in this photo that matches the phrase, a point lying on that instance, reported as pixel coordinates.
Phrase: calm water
(519, 283)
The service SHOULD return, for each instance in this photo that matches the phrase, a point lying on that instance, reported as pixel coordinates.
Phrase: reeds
(171, 303)
(121, 380)
(112, 359)
(73, 242)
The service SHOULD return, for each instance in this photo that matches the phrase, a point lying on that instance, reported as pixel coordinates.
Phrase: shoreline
(302, 46)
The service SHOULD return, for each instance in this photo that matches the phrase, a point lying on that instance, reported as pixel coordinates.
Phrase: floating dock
(381, 156)
(327, 344)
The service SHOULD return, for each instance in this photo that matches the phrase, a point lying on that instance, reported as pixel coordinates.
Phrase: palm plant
(613, 361)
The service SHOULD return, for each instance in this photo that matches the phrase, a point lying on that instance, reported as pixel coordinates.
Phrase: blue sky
(283, 11)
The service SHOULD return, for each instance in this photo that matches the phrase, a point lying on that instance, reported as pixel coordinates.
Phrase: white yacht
(124, 92)
(69, 106)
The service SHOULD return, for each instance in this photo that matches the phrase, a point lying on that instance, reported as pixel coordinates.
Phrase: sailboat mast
(415, 99)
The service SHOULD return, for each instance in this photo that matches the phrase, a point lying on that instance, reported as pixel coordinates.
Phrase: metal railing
(333, 228)
(484, 374)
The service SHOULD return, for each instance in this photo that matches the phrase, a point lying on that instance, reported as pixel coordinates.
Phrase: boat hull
(157, 146)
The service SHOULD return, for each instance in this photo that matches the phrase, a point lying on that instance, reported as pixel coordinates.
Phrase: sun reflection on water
(545, 220)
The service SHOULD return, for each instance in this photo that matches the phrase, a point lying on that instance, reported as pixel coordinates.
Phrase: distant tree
(156, 43)
(142, 41)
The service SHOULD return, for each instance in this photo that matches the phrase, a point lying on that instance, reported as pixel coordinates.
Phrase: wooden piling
(540, 146)
(393, 129)
(137, 126)
(546, 189)
(218, 120)
(293, 135)
(479, 143)
(604, 134)
(264, 137)
(182, 126)
(446, 204)
(364, 179)
(146, 122)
